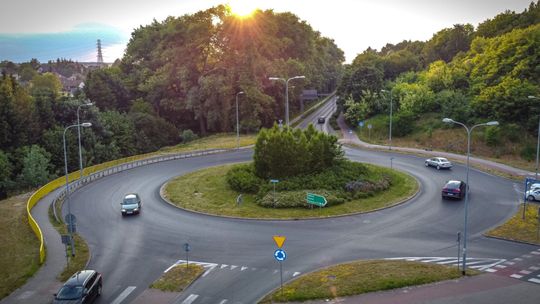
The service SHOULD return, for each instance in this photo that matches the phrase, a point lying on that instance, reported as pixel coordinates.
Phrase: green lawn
(207, 191)
(218, 141)
(19, 247)
(361, 277)
(519, 229)
(178, 278)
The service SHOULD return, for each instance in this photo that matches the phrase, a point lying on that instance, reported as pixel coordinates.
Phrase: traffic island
(178, 278)
(207, 191)
(522, 227)
(361, 277)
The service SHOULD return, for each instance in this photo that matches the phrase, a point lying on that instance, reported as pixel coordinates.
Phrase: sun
(242, 8)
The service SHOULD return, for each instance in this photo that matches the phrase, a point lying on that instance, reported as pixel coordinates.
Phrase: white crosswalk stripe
(481, 264)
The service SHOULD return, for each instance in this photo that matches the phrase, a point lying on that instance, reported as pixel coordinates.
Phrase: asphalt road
(131, 252)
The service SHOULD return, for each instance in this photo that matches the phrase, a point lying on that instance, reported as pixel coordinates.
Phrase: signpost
(70, 220)
(369, 130)
(239, 200)
(187, 248)
(316, 199)
(66, 239)
(458, 247)
(274, 182)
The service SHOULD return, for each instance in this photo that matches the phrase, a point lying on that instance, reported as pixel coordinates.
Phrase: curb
(509, 240)
(398, 203)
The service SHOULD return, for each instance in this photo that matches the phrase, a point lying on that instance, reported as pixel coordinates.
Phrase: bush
(492, 136)
(297, 199)
(242, 178)
(528, 152)
(187, 136)
(403, 123)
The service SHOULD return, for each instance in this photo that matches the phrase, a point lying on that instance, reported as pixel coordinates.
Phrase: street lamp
(491, 123)
(79, 134)
(390, 132)
(287, 93)
(237, 122)
(537, 142)
(70, 224)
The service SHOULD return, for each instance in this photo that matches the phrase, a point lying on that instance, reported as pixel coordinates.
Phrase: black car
(454, 189)
(82, 287)
(321, 120)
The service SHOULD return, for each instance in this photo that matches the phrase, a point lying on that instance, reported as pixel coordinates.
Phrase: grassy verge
(518, 229)
(219, 141)
(82, 253)
(207, 191)
(360, 277)
(178, 278)
(19, 248)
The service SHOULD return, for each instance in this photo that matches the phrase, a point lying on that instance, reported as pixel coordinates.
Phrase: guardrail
(96, 172)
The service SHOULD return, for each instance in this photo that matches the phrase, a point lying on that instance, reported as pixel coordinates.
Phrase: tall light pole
(237, 122)
(79, 134)
(287, 93)
(537, 143)
(390, 131)
(70, 225)
(491, 123)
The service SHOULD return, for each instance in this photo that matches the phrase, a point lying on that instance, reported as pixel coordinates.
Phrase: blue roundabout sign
(280, 255)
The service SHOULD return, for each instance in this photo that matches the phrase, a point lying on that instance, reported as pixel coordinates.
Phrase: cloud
(76, 44)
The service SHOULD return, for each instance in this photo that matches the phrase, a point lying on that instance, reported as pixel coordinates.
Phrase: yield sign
(279, 239)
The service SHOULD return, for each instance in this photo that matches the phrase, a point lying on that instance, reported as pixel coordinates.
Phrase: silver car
(533, 195)
(439, 163)
(131, 204)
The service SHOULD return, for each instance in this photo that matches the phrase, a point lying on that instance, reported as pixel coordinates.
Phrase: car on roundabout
(321, 120)
(533, 195)
(438, 162)
(131, 204)
(454, 189)
(82, 287)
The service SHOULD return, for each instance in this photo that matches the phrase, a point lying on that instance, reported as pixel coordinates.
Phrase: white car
(533, 195)
(534, 186)
(439, 163)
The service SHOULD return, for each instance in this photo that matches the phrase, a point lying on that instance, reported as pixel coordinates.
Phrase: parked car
(131, 204)
(454, 189)
(321, 119)
(533, 195)
(534, 186)
(438, 162)
(82, 287)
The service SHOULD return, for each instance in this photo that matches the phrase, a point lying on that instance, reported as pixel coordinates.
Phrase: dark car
(82, 287)
(131, 204)
(454, 189)
(321, 120)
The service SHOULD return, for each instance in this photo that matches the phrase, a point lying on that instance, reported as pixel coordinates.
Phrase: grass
(430, 133)
(19, 247)
(178, 278)
(518, 229)
(82, 253)
(207, 191)
(361, 277)
(219, 141)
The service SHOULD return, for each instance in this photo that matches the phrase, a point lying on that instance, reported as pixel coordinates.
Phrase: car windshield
(129, 201)
(69, 292)
(443, 160)
(452, 185)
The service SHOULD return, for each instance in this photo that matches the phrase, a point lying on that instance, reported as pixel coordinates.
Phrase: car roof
(454, 182)
(80, 277)
(131, 195)
(441, 158)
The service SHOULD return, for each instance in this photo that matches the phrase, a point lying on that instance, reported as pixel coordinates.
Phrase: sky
(50, 29)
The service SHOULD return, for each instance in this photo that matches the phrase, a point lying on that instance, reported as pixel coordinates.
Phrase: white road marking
(223, 266)
(535, 252)
(243, 268)
(527, 256)
(223, 301)
(190, 299)
(275, 271)
(121, 297)
(295, 274)
(509, 263)
(500, 266)
(516, 276)
(491, 270)
(534, 268)
(518, 259)
(448, 262)
(525, 272)
(171, 267)
(534, 280)
(233, 267)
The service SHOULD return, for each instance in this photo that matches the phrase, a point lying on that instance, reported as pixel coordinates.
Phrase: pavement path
(350, 137)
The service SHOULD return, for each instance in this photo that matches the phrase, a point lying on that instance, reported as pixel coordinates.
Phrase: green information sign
(315, 199)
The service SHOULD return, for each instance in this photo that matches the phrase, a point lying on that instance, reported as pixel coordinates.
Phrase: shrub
(403, 123)
(188, 135)
(297, 199)
(492, 136)
(528, 152)
(242, 178)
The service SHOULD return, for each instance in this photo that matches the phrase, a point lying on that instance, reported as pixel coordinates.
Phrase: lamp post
(390, 131)
(70, 225)
(537, 143)
(491, 123)
(79, 134)
(237, 122)
(287, 93)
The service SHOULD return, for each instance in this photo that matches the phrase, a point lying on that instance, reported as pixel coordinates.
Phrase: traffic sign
(280, 255)
(70, 218)
(274, 181)
(316, 199)
(66, 239)
(279, 239)
(187, 247)
(361, 123)
(369, 126)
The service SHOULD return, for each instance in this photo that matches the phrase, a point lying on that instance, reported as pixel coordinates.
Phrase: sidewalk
(41, 287)
(350, 137)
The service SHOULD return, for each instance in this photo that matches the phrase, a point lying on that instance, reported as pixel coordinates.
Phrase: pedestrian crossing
(525, 268)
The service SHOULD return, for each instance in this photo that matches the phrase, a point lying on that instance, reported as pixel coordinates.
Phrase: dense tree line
(178, 75)
(460, 73)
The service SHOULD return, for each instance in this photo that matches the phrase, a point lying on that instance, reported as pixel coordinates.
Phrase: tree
(5, 174)
(36, 166)
(447, 43)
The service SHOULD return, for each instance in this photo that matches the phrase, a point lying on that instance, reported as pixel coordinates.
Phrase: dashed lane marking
(516, 276)
(190, 299)
(537, 281)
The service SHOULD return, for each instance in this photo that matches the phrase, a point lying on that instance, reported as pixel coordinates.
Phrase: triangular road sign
(279, 239)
